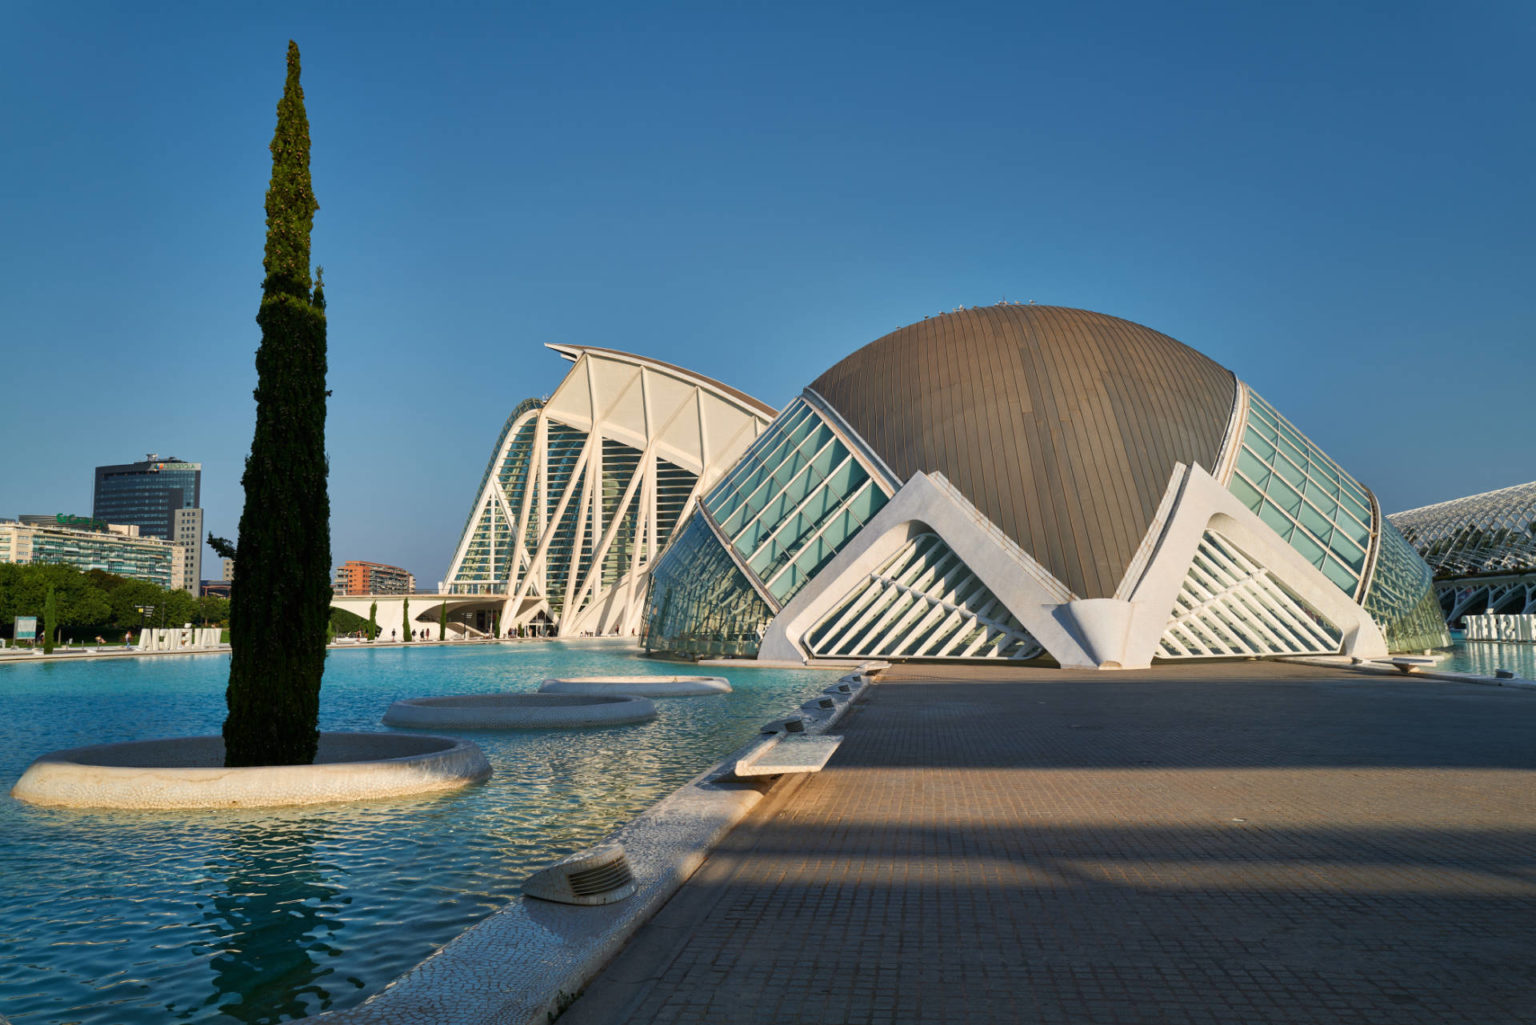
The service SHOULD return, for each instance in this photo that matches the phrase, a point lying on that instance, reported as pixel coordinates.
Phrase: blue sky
(1334, 200)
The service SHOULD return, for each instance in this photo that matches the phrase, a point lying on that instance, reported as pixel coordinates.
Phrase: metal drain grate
(602, 879)
(598, 876)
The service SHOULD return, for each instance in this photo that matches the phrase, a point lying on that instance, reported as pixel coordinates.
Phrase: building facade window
(1304, 496)
(796, 498)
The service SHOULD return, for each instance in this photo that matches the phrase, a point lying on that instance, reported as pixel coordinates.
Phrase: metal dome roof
(1061, 425)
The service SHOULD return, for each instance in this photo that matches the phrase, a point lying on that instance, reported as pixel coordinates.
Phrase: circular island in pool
(189, 772)
(519, 711)
(639, 686)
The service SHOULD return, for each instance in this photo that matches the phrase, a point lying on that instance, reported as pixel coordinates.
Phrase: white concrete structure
(519, 711)
(1482, 549)
(1017, 482)
(189, 772)
(583, 491)
(470, 617)
(641, 686)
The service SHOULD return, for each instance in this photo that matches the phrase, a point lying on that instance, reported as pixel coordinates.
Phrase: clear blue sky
(1334, 200)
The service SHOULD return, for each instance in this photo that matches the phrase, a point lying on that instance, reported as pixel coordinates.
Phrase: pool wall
(526, 962)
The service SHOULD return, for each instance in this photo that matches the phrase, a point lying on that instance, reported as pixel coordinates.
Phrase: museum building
(1021, 482)
(584, 490)
(1482, 549)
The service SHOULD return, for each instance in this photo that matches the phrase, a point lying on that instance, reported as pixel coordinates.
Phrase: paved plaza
(1233, 843)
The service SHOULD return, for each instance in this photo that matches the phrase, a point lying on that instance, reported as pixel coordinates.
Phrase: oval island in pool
(519, 711)
(189, 772)
(640, 686)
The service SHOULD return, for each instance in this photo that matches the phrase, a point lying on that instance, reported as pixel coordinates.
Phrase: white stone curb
(188, 772)
(527, 962)
(641, 686)
(519, 711)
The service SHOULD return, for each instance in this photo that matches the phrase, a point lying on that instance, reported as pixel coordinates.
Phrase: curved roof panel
(1494, 532)
(1061, 425)
(573, 353)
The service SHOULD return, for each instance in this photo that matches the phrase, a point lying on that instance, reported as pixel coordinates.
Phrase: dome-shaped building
(1018, 481)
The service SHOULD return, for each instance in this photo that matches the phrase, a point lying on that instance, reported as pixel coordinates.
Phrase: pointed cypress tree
(50, 619)
(405, 620)
(442, 622)
(373, 620)
(278, 614)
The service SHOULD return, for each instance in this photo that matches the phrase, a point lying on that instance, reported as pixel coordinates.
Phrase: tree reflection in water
(273, 925)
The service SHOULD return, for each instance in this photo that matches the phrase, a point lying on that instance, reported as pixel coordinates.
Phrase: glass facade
(1304, 496)
(1401, 597)
(147, 494)
(140, 558)
(797, 496)
(482, 557)
(700, 603)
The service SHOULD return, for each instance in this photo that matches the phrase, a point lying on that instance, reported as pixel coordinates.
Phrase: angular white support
(929, 504)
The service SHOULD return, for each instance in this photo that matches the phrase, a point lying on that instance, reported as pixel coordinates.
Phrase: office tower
(162, 498)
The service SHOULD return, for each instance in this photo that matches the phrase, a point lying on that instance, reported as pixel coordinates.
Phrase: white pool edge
(525, 963)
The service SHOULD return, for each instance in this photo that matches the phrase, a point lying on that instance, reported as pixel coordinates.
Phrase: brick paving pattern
(1226, 844)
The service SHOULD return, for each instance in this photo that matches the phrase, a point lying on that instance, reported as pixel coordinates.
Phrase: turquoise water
(1484, 657)
(265, 916)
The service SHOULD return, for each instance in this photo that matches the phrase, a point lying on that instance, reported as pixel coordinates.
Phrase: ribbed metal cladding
(1061, 425)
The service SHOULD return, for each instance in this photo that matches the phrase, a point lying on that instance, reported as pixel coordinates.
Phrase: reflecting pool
(1485, 657)
(265, 916)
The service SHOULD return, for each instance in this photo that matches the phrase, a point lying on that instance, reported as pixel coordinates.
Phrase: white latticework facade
(924, 603)
(585, 490)
(1230, 605)
(1482, 549)
(1494, 532)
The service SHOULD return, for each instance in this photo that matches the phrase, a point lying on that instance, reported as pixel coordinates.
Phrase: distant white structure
(1482, 549)
(584, 491)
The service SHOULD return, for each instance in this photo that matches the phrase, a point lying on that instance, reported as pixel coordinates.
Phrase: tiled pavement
(1235, 843)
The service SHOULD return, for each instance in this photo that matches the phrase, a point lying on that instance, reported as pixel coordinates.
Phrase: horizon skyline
(1338, 217)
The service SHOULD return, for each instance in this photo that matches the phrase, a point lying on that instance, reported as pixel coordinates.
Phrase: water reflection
(1486, 657)
(275, 924)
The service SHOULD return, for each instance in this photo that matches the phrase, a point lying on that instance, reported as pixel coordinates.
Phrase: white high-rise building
(187, 535)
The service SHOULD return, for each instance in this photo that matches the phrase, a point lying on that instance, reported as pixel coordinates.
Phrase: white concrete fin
(571, 404)
(1230, 605)
(680, 441)
(927, 504)
(923, 602)
(1204, 507)
(621, 403)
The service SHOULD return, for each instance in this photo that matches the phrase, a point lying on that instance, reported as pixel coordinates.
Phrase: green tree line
(93, 602)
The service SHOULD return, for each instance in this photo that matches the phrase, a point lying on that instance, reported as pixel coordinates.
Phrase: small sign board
(26, 628)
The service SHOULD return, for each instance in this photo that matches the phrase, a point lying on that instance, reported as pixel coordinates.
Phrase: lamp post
(145, 611)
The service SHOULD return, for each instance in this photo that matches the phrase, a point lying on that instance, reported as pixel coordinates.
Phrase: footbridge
(469, 615)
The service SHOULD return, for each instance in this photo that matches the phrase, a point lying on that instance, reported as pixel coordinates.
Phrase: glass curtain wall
(700, 603)
(1402, 598)
(1304, 496)
(794, 500)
